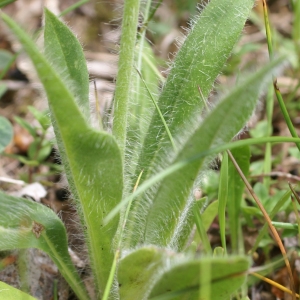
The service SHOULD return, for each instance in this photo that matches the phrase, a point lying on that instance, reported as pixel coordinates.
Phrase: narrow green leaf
(296, 24)
(6, 2)
(182, 280)
(209, 214)
(6, 133)
(26, 125)
(92, 161)
(274, 211)
(235, 192)
(42, 117)
(201, 229)
(68, 60)
(8, 292)
(222, 197)
(73, 7)
(164, 218)
(27, 224)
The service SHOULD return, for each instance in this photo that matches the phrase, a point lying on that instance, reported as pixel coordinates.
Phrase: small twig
(279, 286)
(277, 174)
(294, 193)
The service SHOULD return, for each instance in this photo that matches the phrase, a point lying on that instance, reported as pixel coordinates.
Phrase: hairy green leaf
(197, 64)
(7, 292)
(27, 224)
(68, 60)
(91, 158)
(183, 280)
(169, 209)
(138, 269)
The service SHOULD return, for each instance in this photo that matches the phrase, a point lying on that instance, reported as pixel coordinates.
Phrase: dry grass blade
(268, 220)
(277, 285)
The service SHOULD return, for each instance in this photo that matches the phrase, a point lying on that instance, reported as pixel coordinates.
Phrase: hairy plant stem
(125, 70)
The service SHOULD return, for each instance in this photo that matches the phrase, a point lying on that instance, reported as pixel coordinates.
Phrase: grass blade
(222, 197)
(236, 187)
(201, 229)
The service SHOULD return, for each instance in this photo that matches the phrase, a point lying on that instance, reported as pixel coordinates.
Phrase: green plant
(139, 243)
(6, 133)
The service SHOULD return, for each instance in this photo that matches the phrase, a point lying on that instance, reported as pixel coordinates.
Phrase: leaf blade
(27, 224)
(198, 63)
(95, 193)
(219, 127)
(68, 59)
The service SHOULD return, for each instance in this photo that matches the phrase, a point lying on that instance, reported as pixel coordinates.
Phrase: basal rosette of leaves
(152, 262)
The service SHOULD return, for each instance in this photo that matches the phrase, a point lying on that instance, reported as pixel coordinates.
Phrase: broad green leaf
(6, 133)
(91, 158)
(27, 224)
(197, 64)
(166, 215)
(138, 269)
(154, 271)
(235, 191)
(184, 281)
(68, 60)
(8, 292)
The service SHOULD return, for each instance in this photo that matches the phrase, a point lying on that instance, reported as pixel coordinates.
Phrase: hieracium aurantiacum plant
(133, 183)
